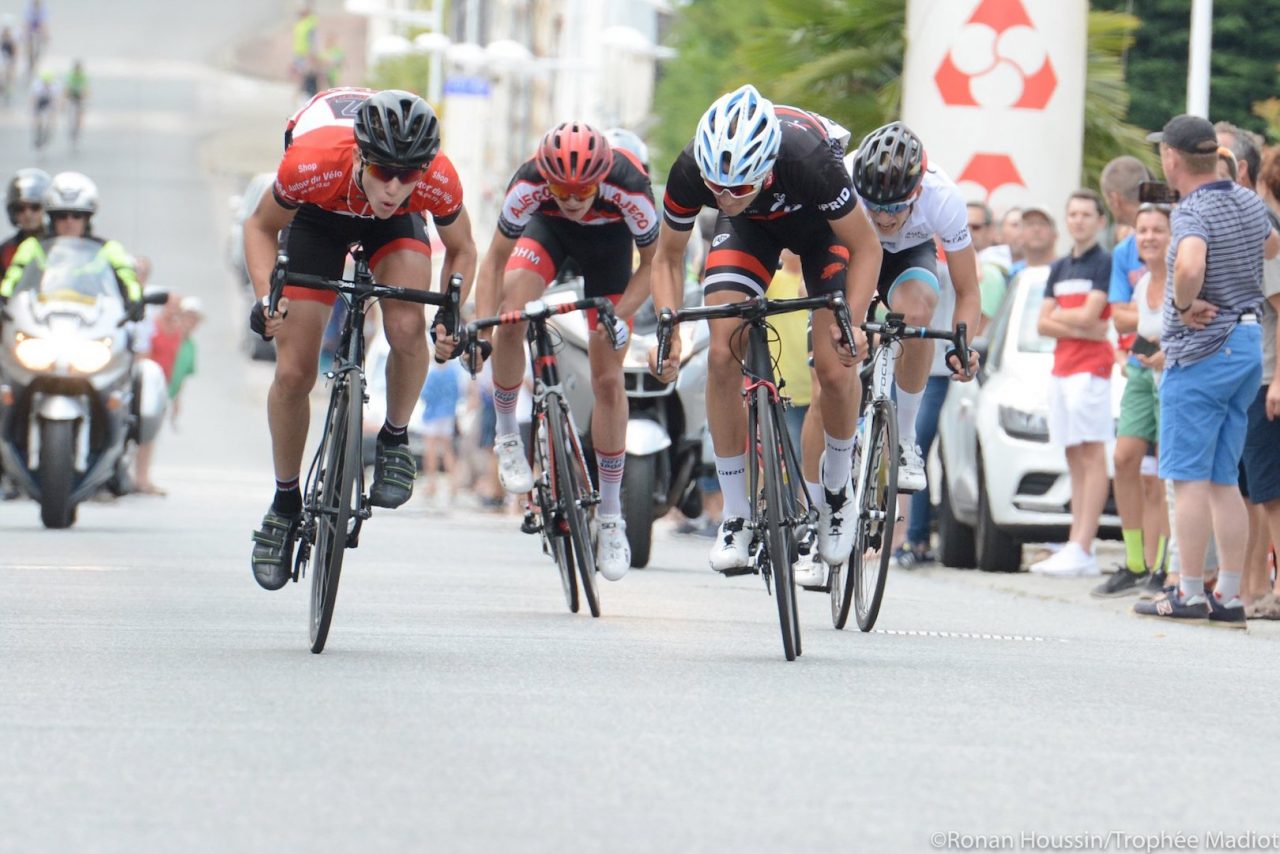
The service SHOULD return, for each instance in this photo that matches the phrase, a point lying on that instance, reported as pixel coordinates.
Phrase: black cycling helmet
(889, 165)
(397, 128)
(26, 186)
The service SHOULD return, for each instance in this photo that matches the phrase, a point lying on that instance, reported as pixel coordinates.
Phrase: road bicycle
(563, 500)
(335, 504)
(859, 581)
(783, 524)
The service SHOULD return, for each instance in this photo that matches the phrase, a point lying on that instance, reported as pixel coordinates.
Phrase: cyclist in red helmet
(576, 197)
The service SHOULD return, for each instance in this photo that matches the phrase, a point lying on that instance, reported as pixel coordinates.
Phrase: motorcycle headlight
(89, 357)
(1020, 424)
(35, 354)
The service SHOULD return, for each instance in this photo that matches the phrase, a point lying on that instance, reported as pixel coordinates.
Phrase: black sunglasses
(68, 215)
(25, 207)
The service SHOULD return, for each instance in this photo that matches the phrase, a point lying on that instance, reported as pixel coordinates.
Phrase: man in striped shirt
(1213, 346)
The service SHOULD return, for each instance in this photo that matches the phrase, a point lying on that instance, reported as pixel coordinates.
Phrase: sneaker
(1155, 585)
(1227, 615)
(910, 557)
(732, 549)
(513, 467)
(837, 521)
(1070, 560)
(1173, 606)
(910, 469)
(272, 559)
(394, 469)
(810, 572)
(1121, 583)
(613, 552)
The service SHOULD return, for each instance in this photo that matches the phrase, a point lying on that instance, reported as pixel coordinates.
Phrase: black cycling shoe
(1123, 582)
(393, 472)
(273, 549)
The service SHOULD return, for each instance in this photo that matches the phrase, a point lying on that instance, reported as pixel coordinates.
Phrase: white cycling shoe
(810, 571)
(513, 468)
(911, 476)
(613, 552)
(732, 549)
(837, 521)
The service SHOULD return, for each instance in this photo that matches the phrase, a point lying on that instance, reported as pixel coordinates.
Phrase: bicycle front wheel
(332, 497)
(574, 494)
(878, 514)
(555, 529)
(779, 507)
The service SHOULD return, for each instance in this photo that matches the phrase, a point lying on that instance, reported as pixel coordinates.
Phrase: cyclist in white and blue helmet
(775, 174)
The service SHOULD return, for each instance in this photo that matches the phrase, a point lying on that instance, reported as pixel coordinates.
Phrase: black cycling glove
(258, 318)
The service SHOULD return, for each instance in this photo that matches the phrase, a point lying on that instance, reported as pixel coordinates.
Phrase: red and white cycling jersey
(318, 167)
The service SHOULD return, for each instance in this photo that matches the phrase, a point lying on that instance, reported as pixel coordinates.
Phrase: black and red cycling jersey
(625, 196)
(808, 175)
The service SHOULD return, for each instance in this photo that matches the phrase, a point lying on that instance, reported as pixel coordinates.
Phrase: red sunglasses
(403, 175)
(737, 191)
(564, 192)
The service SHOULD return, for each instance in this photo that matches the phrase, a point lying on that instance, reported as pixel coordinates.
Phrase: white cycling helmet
(738, 138)
(628, 141)
(71, 191)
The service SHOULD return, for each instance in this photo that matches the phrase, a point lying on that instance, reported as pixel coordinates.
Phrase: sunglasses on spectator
(56, 215)
(737, 191)
(564, 192)
(25, 207)
(891, 207)
(401, 174)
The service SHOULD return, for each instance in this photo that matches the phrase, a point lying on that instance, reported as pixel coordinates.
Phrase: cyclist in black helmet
(358, 166)
(910, 203)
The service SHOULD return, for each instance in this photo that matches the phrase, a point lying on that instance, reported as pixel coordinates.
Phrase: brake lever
(666, 322)
(278, 275)
(841, 310)
(962, 348)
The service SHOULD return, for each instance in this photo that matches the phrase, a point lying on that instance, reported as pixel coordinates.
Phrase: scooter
(666, 424)
(72, 395)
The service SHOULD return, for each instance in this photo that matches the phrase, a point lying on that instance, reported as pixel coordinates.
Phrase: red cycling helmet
(574, 154)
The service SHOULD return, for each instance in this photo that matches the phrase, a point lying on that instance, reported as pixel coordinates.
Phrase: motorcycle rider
(575, 198)
(71, 201)
(24, 200)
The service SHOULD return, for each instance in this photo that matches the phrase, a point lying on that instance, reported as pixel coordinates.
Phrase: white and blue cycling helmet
(738, 138)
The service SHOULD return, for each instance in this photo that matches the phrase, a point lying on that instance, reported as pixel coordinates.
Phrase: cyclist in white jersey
(910, 202)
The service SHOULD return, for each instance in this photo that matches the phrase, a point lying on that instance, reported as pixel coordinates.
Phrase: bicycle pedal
(530, 524)
(734, 571)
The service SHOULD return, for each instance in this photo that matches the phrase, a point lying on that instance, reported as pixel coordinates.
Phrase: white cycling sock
(814, 489)
(504, 406)
(908, 409)
(837, 463)
(732, 474)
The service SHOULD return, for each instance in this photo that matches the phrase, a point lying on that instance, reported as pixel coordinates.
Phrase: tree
(843, 58)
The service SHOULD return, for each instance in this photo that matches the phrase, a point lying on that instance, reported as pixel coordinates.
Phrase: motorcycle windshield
(71, 272)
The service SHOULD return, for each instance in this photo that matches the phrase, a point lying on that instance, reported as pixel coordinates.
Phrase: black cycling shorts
(602, 252)
(744, 254)
(317, 242)
(919, 263)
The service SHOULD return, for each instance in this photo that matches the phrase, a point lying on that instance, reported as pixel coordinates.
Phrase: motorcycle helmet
(27, 186)
(71, 191)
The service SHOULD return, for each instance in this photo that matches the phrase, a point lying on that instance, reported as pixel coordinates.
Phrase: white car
(997, 479)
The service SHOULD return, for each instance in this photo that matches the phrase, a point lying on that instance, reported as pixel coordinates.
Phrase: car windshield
(1029, 340)
(71, 271)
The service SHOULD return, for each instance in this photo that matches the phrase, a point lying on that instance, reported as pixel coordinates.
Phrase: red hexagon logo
(999, 59)
(991, 172)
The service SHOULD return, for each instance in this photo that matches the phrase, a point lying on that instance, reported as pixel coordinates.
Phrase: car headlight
(89, 357)
(1020, 424)
(35, 354)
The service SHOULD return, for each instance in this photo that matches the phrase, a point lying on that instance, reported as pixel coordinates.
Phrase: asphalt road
(153, 698)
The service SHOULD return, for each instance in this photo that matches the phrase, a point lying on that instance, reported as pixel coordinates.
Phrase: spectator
(1007, 253)
(1228, 168)
(306, 54)
(1247, 149)
(440, 397)
(1140, 500)
(992, 278)
(165, 341)
(190, 314)
(334, 57)
(1075, 311)
(1213, 344)
(791, 348)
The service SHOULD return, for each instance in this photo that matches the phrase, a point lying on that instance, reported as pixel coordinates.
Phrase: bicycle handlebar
(754, 309)
(895, 329)
(540, 312)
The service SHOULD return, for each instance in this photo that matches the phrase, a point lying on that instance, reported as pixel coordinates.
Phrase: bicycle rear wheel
(555, 531)
(779, 507)
(878, 514)
(574, 494)
(331, 498)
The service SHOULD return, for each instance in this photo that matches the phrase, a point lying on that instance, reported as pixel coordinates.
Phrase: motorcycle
(666, 427)
(72, 395)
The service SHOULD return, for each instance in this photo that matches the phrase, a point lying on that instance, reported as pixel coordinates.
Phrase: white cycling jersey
(939, 210)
